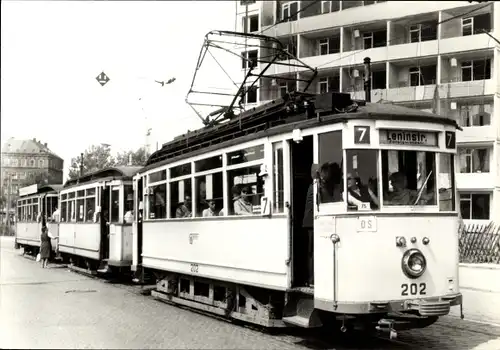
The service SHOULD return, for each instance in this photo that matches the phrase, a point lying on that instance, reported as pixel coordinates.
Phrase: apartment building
(24, 161)
(425, 54)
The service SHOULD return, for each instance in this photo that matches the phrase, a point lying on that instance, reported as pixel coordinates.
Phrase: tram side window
(34, 212)
(128, 199)
(247, 188)
(51, 207)
(115, 205)
(330, 172)
(181, 205)
(209, 195)
(409, 178)
(446, 182)
(362, 188)
(19, 211)
(80, 202)
(278, 178)
(157, 201)
(64, 211)
(29, 209)
(71, 207)
(90, 200)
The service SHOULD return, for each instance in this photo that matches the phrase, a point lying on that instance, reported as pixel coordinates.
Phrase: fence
(479, 244)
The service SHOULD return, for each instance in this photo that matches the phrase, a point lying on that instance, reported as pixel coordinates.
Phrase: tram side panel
(252, 251)
(365, 265)
(28, 233)
(120, 244)
(80, 239)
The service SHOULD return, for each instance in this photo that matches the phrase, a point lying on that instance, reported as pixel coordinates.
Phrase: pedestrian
(45, 246)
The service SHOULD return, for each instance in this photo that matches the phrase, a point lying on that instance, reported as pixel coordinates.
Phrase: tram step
(299, 321)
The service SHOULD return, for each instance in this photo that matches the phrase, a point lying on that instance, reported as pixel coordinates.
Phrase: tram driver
(401, 194)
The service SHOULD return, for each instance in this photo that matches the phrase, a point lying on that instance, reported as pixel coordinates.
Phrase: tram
(219, 215)
(95, 227)
(35, 207)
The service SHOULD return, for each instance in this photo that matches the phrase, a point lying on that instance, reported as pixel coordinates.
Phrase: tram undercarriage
(275, 309)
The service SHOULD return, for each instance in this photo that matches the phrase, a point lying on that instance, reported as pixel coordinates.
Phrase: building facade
(25, 162)
(434, 56)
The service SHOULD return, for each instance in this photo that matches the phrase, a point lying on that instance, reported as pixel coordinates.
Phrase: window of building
(423, 32)
(476, 70)
(283, 89)
(474, 160)
(409, 178)
(477, 24)
(326, 6)
(328, 46)
(32, 163)
(379, 79)
(475, 114)
(423, 75)
(15, 162)
(323, 85)
(40, 163)
(289, 11)
(251, 24)
(24, 162)
(249, 58)
(250, 94)
(374, 39)
(362, 189)
(278, 178)
(330, 160)
(329, 84)
(475, 206)
(446, 182)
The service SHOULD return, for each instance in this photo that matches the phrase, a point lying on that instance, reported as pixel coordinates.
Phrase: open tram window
(362, 188)
(446, 182)
(247, 188)
(209, 196)
(330, 171)
(34, 212)
(157, 200)
(409, 178)
(278, 178)
(90, 201)
(80, 202)
(115, 205)
(181, 205)
(128, 204)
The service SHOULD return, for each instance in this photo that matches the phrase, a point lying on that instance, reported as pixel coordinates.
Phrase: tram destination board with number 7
(408, 137)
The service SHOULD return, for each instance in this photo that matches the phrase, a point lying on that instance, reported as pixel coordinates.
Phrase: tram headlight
(414, 263)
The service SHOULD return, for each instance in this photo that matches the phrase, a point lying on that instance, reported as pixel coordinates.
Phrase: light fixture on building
(274, 82)
(355, 73)
(453, 62)
(356, 33)
(453, 105)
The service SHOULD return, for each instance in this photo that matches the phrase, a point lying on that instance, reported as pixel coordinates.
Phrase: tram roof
(228, 134)
(125, 172)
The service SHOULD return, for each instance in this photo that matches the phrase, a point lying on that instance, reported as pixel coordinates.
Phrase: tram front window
(409, 178)
(362, 189)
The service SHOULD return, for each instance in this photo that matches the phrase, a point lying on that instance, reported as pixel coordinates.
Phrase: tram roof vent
(331, 101)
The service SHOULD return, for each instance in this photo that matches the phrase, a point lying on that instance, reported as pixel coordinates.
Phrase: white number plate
(367, 224)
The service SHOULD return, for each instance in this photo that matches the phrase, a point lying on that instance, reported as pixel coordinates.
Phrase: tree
(95, 158)
(139, 157)
(38, 178)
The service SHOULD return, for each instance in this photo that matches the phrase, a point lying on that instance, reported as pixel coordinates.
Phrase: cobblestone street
(55, 308)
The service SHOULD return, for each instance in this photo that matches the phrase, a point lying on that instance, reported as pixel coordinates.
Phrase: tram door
(301, 161)
(105, 220)
(139, 221)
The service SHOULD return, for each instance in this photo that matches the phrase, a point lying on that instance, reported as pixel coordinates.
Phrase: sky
(52, 52)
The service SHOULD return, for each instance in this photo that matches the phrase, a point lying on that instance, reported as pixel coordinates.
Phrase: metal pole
(81, 164)
(368, 79)
(8, 201)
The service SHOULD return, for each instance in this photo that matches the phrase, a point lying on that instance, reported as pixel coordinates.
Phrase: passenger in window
(402, 195)
(330, 179)
(210, 211)
(359, 193)
(184, 209)
(243, 205)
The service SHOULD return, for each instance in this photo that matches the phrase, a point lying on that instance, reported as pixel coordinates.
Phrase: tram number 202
(413, 289)
(194, 268)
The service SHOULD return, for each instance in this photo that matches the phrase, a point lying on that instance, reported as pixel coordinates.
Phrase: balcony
(466, 43)
(476, 134)
(475, 181)
(467, 88)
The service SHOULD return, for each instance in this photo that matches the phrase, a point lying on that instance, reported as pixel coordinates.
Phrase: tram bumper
(434, 306)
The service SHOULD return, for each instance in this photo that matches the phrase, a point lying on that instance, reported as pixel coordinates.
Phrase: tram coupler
(387, 326)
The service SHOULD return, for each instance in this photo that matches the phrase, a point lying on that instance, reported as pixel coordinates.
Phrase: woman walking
(45, 246)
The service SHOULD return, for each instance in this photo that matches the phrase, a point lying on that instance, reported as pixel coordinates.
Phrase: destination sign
(408, 137)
